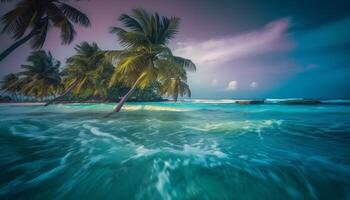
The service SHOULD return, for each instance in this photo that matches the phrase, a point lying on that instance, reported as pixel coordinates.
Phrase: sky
(242, 49)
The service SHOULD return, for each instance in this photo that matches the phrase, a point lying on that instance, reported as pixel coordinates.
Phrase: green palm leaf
(74, 14)
(35, 17)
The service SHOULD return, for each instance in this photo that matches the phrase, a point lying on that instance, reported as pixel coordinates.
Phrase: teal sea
(198, 149)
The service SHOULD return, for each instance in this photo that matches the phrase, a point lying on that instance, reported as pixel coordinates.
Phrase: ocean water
(189, 150)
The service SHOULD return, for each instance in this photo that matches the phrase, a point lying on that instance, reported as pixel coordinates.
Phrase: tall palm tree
(145, 41)
(40, 78)
(86, 72)
(36, 17)
(11, 85)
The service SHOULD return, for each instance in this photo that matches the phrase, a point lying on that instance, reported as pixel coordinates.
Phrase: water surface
(191, 150)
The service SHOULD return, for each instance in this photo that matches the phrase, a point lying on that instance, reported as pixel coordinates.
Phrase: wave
(213, 101)
(282, 100)
(336, 101)
(23, 104)
(238, 101)
(155, 108)
(96, 131)
(197, 154)
(300, 101)
(238, 127)
(50, 173)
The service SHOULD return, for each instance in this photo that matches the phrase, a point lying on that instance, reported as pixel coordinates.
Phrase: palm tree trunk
(126, 97)
(175, 97)
(16, 45)
(65, 93)
(15, 96)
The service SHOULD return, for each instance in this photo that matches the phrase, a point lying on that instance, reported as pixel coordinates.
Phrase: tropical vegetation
(40, 77)
(86, 73)
(36, 17)
(146, 58)
(145, 69)
(11, 85)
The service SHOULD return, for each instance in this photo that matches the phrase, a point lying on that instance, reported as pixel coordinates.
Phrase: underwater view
(197, 149)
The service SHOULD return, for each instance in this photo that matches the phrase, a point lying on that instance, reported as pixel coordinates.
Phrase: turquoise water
(191, 150)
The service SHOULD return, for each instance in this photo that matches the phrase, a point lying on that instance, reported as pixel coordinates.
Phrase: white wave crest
(154, 108)
(281, 100)
(211, 101)
(233, 126)
(96, 131)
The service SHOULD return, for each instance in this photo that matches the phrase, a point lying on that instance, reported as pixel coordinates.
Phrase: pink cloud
(270, 38)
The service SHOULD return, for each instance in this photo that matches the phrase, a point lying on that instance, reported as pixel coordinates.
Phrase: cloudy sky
(242, 49)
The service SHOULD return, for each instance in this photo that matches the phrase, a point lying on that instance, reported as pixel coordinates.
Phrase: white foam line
(155, 108)
(97, 132)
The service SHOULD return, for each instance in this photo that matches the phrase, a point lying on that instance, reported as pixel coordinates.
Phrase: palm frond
(185, 63)
(130, 23)
(38, 40)
(133, 39)
(169, 29)
(111, 55)
(67, 32)
(162, 50)
(17, 21)
(74, 14)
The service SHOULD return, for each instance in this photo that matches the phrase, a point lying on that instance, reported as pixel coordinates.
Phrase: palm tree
(102, 77)
(174, 82)
(145, 41)
(40, 78)
(36, 17)
(86, 72)
(11, 85)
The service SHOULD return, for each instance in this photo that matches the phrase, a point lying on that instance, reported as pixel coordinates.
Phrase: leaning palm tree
(145, 41)
(11, 85)
(86, 72)
(35, 17)
(40, 77)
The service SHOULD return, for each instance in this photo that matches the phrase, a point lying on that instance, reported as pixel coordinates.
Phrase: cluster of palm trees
(144, 62)
(85, 74)
(40, 77)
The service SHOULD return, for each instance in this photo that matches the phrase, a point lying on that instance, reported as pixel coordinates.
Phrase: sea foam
(154, 108)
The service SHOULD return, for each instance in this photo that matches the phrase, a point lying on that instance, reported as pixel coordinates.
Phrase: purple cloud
(270, 38)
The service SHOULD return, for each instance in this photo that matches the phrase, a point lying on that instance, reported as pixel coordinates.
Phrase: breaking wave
(155, 108)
